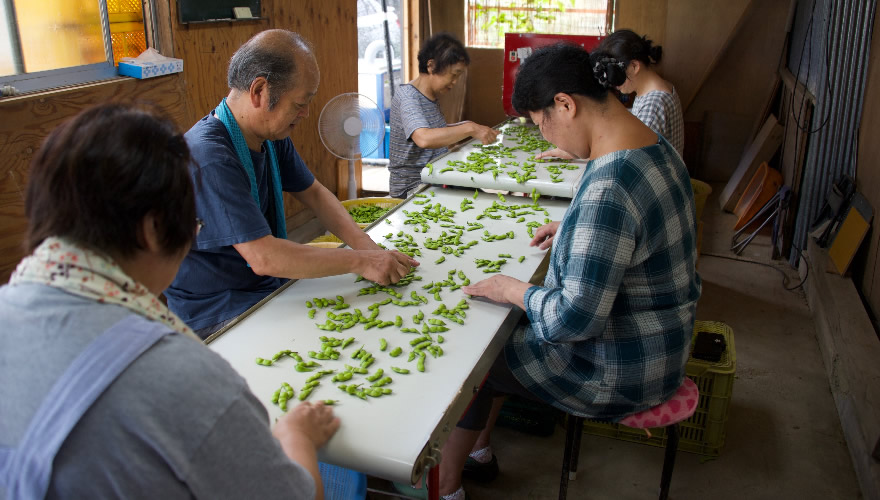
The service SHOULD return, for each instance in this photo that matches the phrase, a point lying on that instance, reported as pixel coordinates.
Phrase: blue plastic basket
(342, 484)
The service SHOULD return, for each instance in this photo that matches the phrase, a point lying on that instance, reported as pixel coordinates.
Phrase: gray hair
(262, 56)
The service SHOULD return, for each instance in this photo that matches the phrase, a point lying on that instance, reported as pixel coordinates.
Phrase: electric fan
(351, 127)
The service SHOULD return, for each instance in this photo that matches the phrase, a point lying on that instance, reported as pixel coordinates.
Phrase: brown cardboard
(760, 150)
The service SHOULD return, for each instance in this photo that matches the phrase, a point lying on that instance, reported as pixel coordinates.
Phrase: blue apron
(26, 470)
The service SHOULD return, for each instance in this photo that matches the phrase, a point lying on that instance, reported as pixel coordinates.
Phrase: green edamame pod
(376, 376)
(383, 344)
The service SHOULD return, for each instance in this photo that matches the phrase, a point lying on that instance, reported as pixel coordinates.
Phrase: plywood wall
(866, 269)
(736, 85)
(27, 120)
(644, 17)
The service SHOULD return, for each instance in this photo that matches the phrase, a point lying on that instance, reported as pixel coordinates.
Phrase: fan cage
(332, 126)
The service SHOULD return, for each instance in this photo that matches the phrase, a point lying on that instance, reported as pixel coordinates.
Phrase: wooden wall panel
(29, 119)
(205, 50)
(867, 271)
(739, 86)
(696, 33)
(645, 17)
(483, 99)
(331, 27)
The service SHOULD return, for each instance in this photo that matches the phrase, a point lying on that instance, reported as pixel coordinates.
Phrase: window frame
(610, 11)
(63, 77)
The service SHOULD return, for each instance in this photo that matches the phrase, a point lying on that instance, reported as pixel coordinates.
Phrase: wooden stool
(669, 414)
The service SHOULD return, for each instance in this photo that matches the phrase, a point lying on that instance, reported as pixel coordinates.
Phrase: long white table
(448, 169)
(398, 436)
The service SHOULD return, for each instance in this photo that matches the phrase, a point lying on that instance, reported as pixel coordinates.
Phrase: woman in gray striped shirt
(656, 104)
(419, 131)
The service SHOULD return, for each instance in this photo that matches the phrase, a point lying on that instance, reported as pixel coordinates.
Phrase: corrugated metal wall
(830, 45)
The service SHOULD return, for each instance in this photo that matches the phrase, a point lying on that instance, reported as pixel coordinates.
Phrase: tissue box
(147, 69)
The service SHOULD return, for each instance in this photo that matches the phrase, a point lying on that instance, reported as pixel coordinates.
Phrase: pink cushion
(680, 407)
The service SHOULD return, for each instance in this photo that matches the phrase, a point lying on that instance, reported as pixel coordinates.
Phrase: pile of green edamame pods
(346, 361)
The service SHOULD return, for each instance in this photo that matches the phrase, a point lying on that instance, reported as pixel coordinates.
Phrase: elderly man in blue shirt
(243, 160)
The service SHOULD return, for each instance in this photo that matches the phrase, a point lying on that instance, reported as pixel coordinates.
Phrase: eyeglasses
(199, 225)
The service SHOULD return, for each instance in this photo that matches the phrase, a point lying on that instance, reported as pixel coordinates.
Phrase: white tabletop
(443, 172)
(395, 436)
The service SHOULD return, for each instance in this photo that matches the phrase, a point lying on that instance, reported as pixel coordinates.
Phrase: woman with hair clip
(656, 104)
(419, 132)
(607, 335)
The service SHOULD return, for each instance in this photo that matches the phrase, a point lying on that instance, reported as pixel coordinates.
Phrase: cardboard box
(149, 69)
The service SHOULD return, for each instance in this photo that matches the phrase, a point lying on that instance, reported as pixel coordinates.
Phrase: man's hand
(544, 236)
(385, 266)
(555, 153)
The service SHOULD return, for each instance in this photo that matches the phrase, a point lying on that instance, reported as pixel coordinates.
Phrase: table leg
(434, 483)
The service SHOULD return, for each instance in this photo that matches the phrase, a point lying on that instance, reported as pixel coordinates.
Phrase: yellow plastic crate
(326, 241)
(703, 433)
(380, 202)
(701, 193)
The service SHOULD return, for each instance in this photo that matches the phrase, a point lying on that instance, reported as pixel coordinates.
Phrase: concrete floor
(783, 436)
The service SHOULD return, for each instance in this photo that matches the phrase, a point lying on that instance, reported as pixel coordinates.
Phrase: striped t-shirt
(410, 111)
(661, 112)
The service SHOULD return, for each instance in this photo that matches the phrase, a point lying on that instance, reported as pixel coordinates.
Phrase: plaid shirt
(610, 329)
(661, 112)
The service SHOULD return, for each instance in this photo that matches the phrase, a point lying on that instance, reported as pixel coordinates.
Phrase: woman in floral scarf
(105, 391)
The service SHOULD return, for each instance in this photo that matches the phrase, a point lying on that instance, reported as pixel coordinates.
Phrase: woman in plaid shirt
(608, 334)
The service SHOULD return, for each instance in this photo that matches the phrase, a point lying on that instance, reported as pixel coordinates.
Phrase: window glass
(373, 76)
(489, 20)
(126, 28)
(7, 63)
(59, 33)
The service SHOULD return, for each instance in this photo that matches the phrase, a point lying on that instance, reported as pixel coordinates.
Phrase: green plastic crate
(703, 433)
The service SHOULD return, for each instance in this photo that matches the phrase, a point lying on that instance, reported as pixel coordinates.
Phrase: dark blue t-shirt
(214, 282)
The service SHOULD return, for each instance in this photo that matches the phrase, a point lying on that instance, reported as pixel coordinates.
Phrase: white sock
(483, 456)
(458, 495)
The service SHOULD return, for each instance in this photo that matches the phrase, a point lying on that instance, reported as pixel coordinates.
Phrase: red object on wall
(519, 45)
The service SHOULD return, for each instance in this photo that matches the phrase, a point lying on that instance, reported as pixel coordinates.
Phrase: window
(51, 43)
(489, 20)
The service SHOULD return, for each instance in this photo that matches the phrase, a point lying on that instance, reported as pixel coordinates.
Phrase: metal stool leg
(572, 449)
(668, 461)
(578, 425)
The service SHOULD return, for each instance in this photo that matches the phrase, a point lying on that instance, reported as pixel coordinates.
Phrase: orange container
(764, 184)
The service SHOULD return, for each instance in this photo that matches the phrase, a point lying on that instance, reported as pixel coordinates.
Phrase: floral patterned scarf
(62, 264)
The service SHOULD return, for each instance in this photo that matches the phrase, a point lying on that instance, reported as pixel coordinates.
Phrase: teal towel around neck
(244, 156)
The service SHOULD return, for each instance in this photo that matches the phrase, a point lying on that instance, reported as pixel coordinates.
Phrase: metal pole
(388, 46)
(105, 27)
(14, 37)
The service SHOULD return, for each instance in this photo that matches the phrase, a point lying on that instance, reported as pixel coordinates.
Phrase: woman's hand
(484, 134)
(499, 288)
(306, 423)
(555, 153)
(544, 236)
